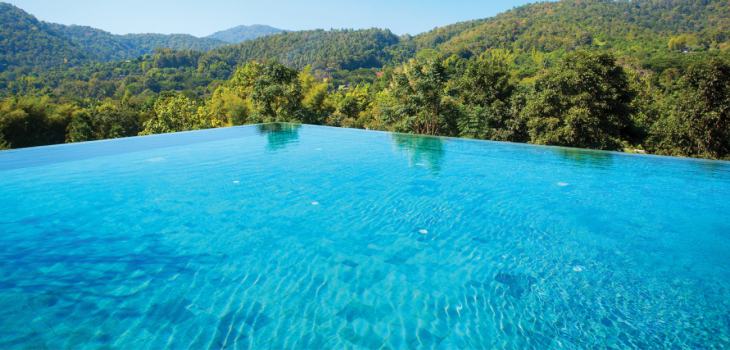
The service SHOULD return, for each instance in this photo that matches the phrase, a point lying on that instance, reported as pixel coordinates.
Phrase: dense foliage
(612, 75)
(104, 46)
(338, 49)
(240, 34)
(491, 103)
(655, 34)
(697, 117)
(418, 102)
(28, 42)
(29, 122)
(583, 102)
(535, 35)
(588, 100)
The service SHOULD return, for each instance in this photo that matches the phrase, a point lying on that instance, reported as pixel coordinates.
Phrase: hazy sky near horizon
(202, 18)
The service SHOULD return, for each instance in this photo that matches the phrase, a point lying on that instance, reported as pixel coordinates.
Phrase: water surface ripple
(304, 237)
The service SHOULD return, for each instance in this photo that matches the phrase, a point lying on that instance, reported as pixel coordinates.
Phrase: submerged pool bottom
(316, 238)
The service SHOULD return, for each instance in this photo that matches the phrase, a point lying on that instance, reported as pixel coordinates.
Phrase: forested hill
(531, 37)
(663, 36)
(109, 47)
(339, 49)
(644, 29)
(240, 34)
(27, 42)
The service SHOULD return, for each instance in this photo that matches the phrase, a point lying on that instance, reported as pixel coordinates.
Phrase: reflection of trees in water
(701, 169)
(603, 159)
(427, 150)
(581, 157)
(279, 135)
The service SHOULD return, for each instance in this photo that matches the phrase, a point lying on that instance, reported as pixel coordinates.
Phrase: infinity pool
(283, 236)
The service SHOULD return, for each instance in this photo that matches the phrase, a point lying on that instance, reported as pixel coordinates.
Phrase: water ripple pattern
(283, 236)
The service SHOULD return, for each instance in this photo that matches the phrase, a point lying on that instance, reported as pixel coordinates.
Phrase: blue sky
(202, 18)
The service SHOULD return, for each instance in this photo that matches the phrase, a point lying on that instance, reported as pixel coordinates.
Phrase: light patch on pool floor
(315, 203)
(156, 159)
(563, 184)
(423, 232)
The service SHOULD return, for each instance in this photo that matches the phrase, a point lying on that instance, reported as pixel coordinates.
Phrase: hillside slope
(105, 46)
(243, 33)
(664, 36)
(641, 29)
(341, 49)
(26, 41)
(530, 37)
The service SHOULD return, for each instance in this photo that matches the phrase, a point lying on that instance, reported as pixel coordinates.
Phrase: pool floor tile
(447, 344)
(395, 341)
(371, 340)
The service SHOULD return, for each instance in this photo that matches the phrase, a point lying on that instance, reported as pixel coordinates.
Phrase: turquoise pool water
(304, 237)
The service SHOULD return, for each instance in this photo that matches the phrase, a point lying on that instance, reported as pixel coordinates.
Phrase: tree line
(657, 34)
(589, 100)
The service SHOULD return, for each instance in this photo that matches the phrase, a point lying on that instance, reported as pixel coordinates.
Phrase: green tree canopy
(29, 121)
(276, 95)
(420, 99)
(583, 102)
(696, 120)
(178, 113)
(491, 108)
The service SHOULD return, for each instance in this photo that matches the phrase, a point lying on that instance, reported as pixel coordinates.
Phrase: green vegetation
(418, 100)
(583, 102)
(33, 45)
(337, 49)
(491, 103)
(696, 120)
(240, 34)
(105, 47)
(537, 35)
(29, 122)
(27, 42)
(612, 75)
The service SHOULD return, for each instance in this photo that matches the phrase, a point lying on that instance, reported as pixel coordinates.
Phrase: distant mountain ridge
(110, 47)
(640, 28)
(342, 49)
(26, 41)
(655, 33)
(243, 33)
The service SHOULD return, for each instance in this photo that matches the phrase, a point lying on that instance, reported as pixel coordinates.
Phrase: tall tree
(491, 109)
(585, 101)
(696, 119)
(420, 99)
(277, 95)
